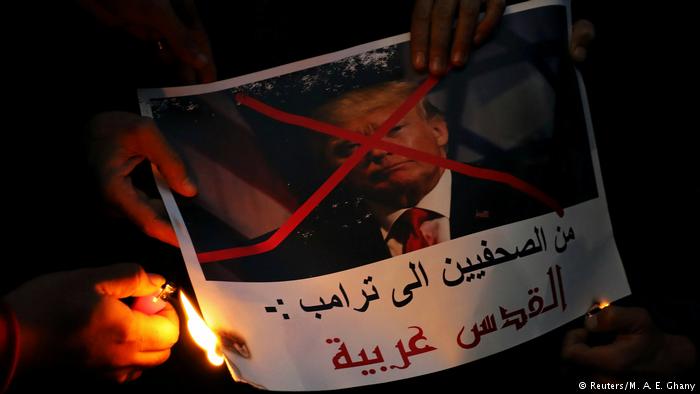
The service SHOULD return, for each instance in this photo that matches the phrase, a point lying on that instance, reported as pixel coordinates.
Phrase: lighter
(596, 308)
(154, 303)
(600, 338)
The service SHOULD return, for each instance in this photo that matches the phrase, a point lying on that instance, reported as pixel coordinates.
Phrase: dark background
(59, 66)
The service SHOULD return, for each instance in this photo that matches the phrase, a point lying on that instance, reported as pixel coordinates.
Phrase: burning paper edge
(202, 335)
(207, 339)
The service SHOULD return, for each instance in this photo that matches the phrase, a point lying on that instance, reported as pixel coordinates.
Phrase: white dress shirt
(438, 201)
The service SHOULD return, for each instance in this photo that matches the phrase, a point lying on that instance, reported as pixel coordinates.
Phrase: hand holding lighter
(599, 338)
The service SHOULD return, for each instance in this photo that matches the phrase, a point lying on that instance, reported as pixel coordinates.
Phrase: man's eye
(394, 130)
(344, 150)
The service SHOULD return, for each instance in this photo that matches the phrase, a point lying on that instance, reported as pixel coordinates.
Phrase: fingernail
(580, 54)
(591, 322)
(156, 280)
(436, 65)
(202, 60)
(171, 238)
(189, 187)
(419, 60)
(458, 59)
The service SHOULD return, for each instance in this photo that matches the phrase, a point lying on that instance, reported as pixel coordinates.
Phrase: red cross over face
(386, 177)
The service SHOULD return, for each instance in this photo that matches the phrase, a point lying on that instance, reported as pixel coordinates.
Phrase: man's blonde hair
(367, 99)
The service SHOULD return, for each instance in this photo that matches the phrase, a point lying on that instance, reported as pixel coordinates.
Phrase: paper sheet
(285, 243)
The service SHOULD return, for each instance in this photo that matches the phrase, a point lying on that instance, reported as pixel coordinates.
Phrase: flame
(603, 304)
(203, 336)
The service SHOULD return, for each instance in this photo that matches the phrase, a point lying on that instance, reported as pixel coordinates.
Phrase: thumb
(125, 280)
(157, 149)
(619, 319)
(582, 35)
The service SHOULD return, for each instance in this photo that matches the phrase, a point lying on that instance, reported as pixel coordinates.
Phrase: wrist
(9, 345)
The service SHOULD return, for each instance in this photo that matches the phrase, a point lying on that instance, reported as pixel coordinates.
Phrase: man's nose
(376, 155)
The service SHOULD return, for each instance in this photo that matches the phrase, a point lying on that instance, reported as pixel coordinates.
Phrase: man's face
(384, 177)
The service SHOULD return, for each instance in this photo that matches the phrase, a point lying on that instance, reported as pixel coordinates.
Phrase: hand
(639, 347)
(119, 141)
(431, 31)
(157, 21)
(75, 319)
(582, 35)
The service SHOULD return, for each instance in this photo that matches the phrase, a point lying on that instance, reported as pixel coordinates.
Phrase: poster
(359, 223)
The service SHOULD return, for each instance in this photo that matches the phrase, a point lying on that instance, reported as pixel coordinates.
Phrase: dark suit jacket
(342, 233)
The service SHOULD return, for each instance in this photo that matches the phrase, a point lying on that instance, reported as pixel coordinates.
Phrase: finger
(125, 280)
(440, 30)
(151, 359)
(120, 191)
(420, 32)
(119, 375)
(125, 359)
(190, 14)
(492, 17)
(619, 320)
(156, 148)
(466, 22)
(574, 342)
(156, 332)
(582, 35)
(170, 314)
(135, 374)
(143, 32)
(179, 38)
(207, 73)
(101, 13)
(199, 35)
(187, 74)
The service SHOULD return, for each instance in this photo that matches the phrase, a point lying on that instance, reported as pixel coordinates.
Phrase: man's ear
(439, 127)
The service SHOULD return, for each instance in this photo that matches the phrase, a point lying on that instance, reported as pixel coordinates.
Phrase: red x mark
(366, 144)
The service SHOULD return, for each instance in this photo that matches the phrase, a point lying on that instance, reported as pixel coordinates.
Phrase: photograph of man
(416, 204)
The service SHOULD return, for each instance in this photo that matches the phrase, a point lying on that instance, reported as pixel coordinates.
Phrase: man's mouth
(384, 173)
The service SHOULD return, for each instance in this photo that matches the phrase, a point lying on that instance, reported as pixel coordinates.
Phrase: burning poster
(358, 223)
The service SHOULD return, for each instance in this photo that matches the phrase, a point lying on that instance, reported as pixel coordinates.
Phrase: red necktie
(407, 229)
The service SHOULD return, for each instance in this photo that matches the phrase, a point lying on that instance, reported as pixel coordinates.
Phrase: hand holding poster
(358, 223)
